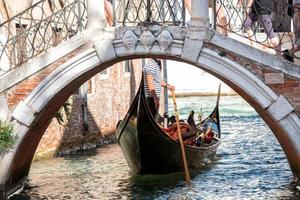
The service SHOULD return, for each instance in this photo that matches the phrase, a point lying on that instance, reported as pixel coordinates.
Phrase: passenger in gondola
(208, 137)
(206, 134)
(153, 83)
(172, 119)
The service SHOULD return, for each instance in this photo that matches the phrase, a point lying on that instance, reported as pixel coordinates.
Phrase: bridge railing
(235, 13)
(43, 25)
(133, 12)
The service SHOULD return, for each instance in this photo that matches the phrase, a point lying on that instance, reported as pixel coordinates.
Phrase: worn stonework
(102, 120)
(286, 85)
(280, 108)
(191, 49)
(274, 78)
(20, 91)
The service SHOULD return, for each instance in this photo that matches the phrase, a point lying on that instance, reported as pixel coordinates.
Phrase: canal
(249, 164)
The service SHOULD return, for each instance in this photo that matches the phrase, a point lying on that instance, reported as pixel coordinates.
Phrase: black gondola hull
(158, 156)
(148, 150)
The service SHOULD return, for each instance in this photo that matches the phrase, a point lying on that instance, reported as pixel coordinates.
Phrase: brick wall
(108, 100)
(20, 91)
(111, 97)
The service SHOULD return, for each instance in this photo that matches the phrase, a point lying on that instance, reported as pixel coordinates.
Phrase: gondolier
(153, 83)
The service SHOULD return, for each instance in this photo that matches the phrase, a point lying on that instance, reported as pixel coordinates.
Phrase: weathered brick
(289, 88)
(285, 90)
(274, 78)
(119, 90)
(288, 80)
(297, 108)
(290, 85)
(296, 99)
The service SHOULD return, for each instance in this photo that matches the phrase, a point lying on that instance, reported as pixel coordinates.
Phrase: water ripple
(249, 164)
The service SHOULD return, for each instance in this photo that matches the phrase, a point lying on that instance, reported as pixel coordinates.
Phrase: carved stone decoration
(147, 39)
(130, 40)
(165, 39)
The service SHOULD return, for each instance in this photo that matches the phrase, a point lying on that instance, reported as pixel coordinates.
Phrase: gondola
(149, 150)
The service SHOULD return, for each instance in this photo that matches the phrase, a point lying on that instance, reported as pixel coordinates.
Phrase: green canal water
(250, 164)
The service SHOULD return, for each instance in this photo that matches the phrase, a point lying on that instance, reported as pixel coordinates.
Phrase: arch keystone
(147, 39)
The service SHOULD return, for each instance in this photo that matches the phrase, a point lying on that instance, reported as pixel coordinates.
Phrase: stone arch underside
(33, 115)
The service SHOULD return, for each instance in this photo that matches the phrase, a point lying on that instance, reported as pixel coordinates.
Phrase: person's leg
(188, 6)
(296, 23)
(221, 18)
(108, 12)
(266, 22)
(248, 27)
(151, 105)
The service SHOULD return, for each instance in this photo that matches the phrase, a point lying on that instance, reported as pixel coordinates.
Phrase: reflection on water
(249, 164)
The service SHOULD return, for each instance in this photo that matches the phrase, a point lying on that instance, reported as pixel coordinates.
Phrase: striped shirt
(152, 68)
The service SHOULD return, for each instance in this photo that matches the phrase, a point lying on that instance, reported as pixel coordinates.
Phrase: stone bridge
(269, 84)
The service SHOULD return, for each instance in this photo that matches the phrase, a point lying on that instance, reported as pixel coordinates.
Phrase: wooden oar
(186, 170)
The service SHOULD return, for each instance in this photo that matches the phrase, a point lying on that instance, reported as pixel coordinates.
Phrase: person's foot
(288, 55)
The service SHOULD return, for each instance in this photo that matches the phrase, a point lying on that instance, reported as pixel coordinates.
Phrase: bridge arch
(32, 116)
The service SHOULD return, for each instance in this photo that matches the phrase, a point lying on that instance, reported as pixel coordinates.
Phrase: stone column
(96, 14)
(200, 13)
